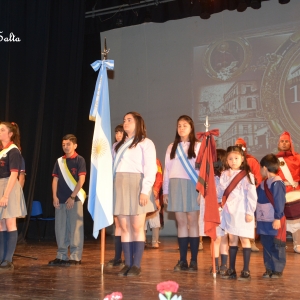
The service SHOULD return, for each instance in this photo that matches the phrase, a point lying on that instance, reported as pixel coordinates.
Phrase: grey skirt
(16, 207)
(182, 196)
(127, 190)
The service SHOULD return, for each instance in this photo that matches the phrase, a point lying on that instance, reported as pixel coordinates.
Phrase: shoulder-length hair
(192, 138)
(14, 128)
(244, 165)
(140, 131)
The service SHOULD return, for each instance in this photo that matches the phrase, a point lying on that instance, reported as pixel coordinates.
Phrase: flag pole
(212, 241)
(102, 240)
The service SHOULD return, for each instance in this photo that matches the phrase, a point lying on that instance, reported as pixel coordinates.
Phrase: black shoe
(73, 262)
(276, 274)
(222, 269)
(115, 263)
(267, 274)
(217, 270)
(134, 271)
(245, 275)
(124, 271)
(193, 267)
(58, 262)
(181, 266)
(229, 274)
(6, 265)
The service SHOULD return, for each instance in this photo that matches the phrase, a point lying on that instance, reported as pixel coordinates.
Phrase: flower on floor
(167, 288)
(114, 296)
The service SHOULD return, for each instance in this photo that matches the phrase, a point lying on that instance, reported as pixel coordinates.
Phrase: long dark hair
(192, 138)
(244, 165)
(119, 128)
(140, 131)
(219, 165)
(14, 128)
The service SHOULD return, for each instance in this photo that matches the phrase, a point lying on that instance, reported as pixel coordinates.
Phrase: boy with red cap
(290, 174)
(255, 170)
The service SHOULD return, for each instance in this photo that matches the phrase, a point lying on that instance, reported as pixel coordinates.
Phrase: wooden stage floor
(33, 279)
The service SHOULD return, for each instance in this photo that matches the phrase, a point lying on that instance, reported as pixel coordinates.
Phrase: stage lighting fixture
(205, 9)
(242, 6)
(255, 4)
(284, 1)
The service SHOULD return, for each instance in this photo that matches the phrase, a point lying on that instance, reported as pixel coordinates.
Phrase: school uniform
(69, 222)
(182, 194)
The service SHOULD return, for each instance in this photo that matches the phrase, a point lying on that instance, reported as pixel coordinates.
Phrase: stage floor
(33, 279)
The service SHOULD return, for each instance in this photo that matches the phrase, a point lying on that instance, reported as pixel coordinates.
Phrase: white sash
(287, 173)
(69, 179)
(4, 151)
(186, 164)
(120, 154)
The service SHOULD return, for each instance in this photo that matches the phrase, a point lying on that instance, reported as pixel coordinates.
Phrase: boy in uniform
(68, 197)
(270, 217)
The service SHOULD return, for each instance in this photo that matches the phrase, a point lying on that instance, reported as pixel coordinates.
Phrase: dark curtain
(40, 79)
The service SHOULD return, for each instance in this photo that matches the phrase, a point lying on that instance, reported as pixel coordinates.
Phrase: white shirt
(174, 168)
(140, 159)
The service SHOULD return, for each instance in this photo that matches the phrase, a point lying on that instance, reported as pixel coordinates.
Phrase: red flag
(206, 182)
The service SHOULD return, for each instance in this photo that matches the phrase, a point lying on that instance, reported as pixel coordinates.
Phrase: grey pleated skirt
(127, 190)
(16, 207)
(182, 196)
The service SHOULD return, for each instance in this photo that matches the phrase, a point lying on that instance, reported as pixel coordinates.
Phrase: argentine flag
(100, 202)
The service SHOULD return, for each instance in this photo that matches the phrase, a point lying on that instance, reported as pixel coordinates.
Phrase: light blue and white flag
(100, 203)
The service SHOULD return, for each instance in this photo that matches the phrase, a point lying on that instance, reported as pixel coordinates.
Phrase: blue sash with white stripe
(120, 154)
(186, 164)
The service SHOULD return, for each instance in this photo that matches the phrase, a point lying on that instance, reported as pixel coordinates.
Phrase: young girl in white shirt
(238, 208)
(134, 175)
(179, 189)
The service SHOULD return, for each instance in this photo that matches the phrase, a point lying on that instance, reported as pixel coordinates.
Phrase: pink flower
(114, 296)
(167, 286)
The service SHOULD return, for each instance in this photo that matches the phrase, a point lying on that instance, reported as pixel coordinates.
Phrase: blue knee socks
(246, 256)
(3, 243)
(12, 238)
(194, 244)
(128, 253)
(183, 243)
(138, 250)
(232, 256)
(118, 247)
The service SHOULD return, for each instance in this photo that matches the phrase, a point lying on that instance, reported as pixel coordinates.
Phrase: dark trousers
(274, 253)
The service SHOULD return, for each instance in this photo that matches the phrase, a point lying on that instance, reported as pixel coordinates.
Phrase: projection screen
(242, 70)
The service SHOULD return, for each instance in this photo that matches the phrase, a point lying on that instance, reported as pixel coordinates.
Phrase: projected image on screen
(249, 87)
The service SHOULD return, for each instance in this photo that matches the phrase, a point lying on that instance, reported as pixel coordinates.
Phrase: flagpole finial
(105, 51)
(206, 124)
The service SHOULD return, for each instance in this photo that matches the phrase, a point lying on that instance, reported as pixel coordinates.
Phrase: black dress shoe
(193, 267)
(267, 274)
(74, 262)
(124, 271)
(115, 263)
(181, 266)
(229, 274)
(6, 265)
(134, 271)
(245, 275)
(58, 262)
(276, 274)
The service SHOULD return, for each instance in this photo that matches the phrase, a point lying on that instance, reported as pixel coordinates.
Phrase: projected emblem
(280, 88)
(99, 148)
(226, 59)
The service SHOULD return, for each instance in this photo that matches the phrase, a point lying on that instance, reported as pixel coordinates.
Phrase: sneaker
(276, 274)
(115, 263)
(58, 262)
(200, 246)
(267, 274)
(229, 274)
(297, 249)
(74, 262)
(222, 269)
(155, 245)
(193, 267)
(254, 247)
(245, 275)
(181, 266)
(6, 265)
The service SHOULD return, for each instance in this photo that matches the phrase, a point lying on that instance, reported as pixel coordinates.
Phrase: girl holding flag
(179, 189)
(12, 203)
(134, 175)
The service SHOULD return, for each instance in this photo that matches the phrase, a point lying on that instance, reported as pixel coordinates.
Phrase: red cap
(240, 141)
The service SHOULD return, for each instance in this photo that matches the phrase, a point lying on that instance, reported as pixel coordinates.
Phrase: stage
(33, 279)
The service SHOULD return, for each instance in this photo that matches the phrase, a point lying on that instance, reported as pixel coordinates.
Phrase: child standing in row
(270, 217)
(221, 243)
(239, 199)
